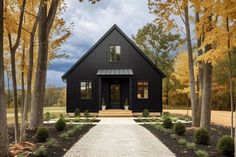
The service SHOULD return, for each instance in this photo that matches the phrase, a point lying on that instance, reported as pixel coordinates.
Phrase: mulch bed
(216, 132)
(62, 146)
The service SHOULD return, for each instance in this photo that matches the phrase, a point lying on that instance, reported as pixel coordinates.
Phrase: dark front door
(115, 99)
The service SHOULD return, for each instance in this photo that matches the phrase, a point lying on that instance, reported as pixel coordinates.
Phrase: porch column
(99, 92)
(130, 93)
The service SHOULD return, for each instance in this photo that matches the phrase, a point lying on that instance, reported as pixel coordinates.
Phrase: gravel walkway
(119, 137)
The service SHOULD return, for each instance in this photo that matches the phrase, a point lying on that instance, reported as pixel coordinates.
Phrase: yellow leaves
(218, 39)
(181, 72)
(185, 90)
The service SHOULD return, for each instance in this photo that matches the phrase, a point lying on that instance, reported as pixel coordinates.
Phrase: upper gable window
(114, 53)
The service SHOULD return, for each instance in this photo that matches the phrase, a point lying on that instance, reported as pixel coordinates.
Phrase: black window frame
(91, 91)
(142, 86)
(110, 56)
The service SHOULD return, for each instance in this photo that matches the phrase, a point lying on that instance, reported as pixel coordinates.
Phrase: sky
(91, 21)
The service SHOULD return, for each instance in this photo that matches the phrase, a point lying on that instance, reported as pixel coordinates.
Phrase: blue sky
(91, 22)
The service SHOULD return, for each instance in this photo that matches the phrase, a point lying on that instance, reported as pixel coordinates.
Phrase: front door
(115, 99)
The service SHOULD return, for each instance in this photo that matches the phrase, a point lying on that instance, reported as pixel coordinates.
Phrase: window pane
(114, 53)
(142, 90)
(86, 90)
(117, 53)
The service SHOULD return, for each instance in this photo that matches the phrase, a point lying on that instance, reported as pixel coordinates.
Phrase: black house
(114, 72)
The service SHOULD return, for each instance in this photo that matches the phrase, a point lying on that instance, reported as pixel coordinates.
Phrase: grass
(55, 111)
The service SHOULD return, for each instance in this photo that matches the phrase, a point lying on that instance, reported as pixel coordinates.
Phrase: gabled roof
(101, 39)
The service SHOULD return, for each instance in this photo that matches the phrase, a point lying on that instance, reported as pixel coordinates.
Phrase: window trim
(143, 98)
(91, 90)
(115, 54)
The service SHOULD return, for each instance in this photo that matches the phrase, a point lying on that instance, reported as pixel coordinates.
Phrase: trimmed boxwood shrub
(42, 134)
(179, 128)
(145, 113)
(225, 145)
(201, 136)
(167, 123)
(60, 125)
(77, 112)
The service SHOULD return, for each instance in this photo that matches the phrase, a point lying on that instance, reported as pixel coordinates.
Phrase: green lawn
(51, 110)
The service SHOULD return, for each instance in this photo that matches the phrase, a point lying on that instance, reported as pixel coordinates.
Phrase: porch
(115, 89)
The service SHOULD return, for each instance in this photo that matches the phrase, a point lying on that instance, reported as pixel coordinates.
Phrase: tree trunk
(4, 143)
(13, 68)
(29, 80)
(22, 80)
(206, 87)
(206, 95)
(14, 84)
(45, 25)
(230, 79)
(167, 91)
(200, 74)
(191, 71)
(235, 135)
(8, 91)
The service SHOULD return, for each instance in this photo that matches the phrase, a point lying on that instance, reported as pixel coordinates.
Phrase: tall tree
(193, 96)
(230, 77)
(200, 67)
(164, 11)
(27, 100)
(46, 19)
(13, 49)
(4, 144)
(159, 46)
(22, 79)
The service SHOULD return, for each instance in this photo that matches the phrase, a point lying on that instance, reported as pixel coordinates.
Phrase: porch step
(115, 113)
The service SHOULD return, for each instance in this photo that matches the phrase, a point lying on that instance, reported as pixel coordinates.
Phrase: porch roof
(115, 72)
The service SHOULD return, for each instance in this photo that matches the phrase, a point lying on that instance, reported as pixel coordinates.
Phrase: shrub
(201, 136)
(77, 128)
(173, 136)
(179, 128)
(86, 114)
(42, 134)
(145, 113)
(41, 152)
(167, 131)
(165, 115)
(167, 123)
(71, 132)
(182, 141)
(51, 142)
(201, 153)
(60, 125)
(47, 116)
(225, 145)
(191, 146)
(77, 112)
(64, 136)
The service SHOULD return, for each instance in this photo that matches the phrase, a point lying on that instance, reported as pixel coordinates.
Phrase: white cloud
(54, 78)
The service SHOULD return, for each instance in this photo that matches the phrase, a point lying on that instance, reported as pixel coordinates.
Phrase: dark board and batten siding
(98, 58)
